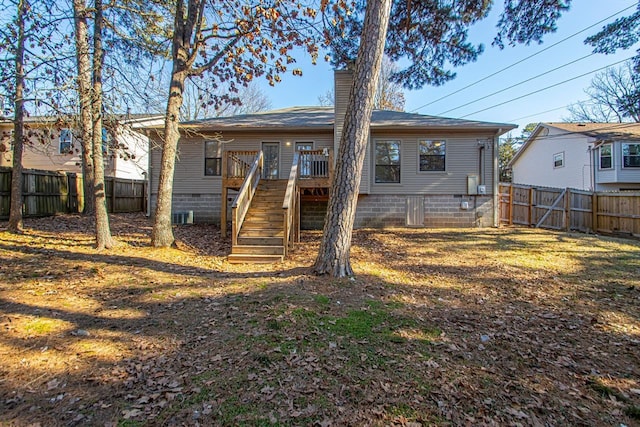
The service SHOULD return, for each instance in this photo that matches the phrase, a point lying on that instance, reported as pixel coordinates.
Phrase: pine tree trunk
(333, 256)
(84, 95)
(103, 232)
(15, 209)
(162, 233)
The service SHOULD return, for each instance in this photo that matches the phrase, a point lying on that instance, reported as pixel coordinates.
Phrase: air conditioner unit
(182, 217)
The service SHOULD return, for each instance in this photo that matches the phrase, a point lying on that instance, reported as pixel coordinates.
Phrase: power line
(545, 88)
(522, 60)
(545, 111)
(517, 84)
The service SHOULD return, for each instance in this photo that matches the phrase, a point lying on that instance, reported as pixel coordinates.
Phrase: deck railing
(289, 206)
(242, 201)
(238, 163)
(315, 163)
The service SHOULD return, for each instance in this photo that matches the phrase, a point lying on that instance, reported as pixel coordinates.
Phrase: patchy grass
(439, 327)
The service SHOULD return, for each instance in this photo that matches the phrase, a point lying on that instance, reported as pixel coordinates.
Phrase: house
(584, 156)
(419, 170)
(54, 144)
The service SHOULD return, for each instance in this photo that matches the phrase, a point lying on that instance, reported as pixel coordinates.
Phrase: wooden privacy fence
(48, 193)
(570, 209)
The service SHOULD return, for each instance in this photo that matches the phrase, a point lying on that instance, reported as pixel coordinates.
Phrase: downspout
(480, 161)
(592, 161)
(496, 180)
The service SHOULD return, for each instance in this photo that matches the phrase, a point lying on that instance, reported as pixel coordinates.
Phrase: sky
(317, 80)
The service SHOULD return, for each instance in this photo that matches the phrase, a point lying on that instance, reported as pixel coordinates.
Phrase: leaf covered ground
(439, 327)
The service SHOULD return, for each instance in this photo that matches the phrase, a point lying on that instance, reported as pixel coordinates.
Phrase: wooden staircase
(261, 238)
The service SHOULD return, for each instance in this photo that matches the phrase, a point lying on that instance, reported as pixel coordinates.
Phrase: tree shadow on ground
(434, 340)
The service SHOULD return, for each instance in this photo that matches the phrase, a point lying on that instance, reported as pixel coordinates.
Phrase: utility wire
(545, 88)
(522, 60)
(517, 84)
(545, 111)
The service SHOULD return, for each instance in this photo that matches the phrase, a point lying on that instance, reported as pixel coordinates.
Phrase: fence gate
(615, 213)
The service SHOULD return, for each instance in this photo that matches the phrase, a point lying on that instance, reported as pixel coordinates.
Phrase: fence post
(531, 190)
(510, 204)
(594, 212)
(113, 194)
(567, 206)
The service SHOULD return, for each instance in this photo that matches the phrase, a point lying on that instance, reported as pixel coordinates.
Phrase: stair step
(254, 259)
(256, 224)
(258, 250)
(264, 215)
(271, 204)
(269, 195)
(261, 232)
(259, 241)
(273, 182)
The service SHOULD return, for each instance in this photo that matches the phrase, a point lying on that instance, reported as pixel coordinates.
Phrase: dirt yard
(439, 327)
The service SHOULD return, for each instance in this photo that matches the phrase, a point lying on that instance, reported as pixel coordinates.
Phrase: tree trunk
(15, 210)
(333, 256)
(162, 234)
(84, 95)
(103, 232)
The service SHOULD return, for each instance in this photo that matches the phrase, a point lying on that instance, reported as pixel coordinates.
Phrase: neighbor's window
(66, 141)
(432, 155)
(387, 161)
(106, 138)
(558, 160)
(605, 156)
(212, 158)
(631, 155)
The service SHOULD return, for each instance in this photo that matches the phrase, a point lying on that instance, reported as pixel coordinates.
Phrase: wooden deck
(266, 212)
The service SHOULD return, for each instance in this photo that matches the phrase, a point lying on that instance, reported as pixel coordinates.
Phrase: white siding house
(54, 145)
(585, 156)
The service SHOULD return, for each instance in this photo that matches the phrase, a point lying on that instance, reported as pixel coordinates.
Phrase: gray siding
(189, 175)
(462, 159)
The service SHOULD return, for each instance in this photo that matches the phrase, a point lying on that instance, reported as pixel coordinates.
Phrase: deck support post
(223, 212)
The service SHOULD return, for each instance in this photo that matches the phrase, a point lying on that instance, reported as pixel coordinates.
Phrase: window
(631, 155)
(387, 161)
(106, 138)
(605, 156)
(66, 141)
(432, 155)
(212, 158)
(558, 160)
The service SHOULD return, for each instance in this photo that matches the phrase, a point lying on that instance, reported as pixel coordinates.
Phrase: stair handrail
(244, 197)
(289, 205)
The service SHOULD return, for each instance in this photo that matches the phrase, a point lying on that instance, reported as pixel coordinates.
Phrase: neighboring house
(585, 156)
(54, 144)
(419, 170)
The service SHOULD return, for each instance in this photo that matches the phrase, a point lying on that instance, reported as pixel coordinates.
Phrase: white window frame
(635, 155)
(610, 156)
(560, 155)
(69, 143)
(375, 163)
(444, 142)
